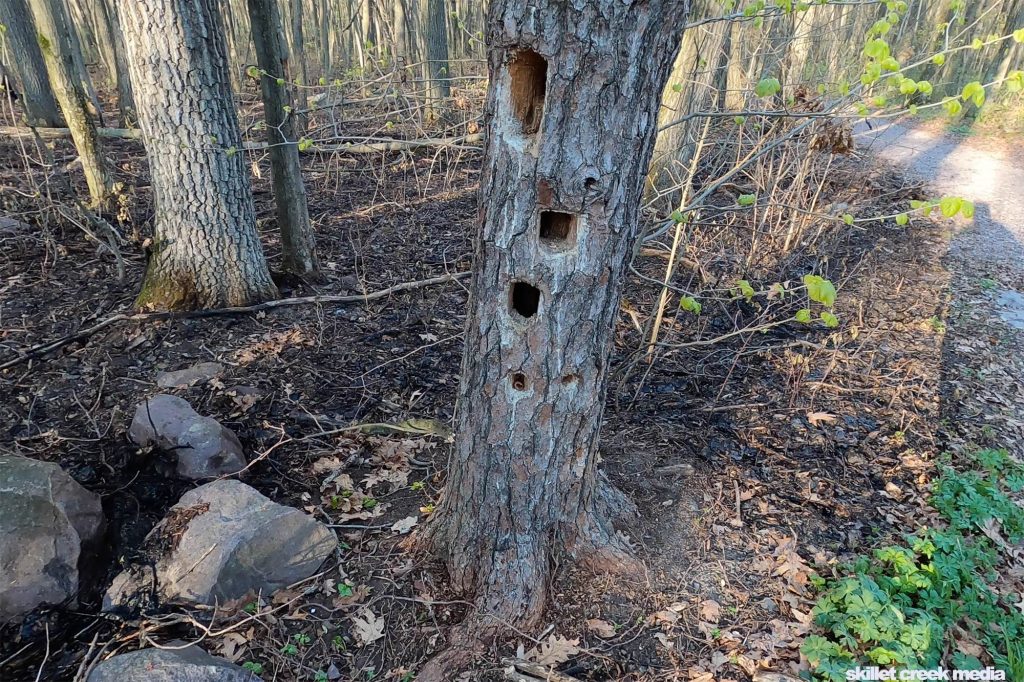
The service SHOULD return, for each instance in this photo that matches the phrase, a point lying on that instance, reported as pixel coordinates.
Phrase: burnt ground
(756, 462)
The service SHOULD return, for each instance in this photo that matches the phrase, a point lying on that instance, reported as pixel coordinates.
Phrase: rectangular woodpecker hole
(529, 72)
(557, 229)
(524, 299)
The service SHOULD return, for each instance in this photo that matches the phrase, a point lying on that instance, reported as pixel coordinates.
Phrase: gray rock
(204, 447)
(222, 541)
(190, 664)
(183, 378)
(45, 517)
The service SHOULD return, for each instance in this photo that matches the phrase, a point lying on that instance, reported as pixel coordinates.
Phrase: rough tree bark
(206, 251)
(571, 111)
(438, 76)
(55, 42)
(299, 252)
(27, 61)
(113, 50)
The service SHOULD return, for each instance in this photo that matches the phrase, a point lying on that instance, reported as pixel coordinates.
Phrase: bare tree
(299, 252)
(206, 250)
(438, 75)
(55, 42)
(572, 105)
(24, 57)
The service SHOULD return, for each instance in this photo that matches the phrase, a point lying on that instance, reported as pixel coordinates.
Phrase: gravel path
(983, 346)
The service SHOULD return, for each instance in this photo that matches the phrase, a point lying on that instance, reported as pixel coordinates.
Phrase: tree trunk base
(510, 595)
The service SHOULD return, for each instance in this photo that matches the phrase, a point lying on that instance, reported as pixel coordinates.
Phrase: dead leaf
(664, 640)
(816, 418)
(232, 646)
(395, 477)
(665, 617)
(763, 676)
(554, 651)
(601, 628)
(710, 611)
(403, 526)
(367, 627)
(326, 464)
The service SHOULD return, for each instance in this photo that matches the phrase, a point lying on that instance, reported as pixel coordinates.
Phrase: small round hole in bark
(570, 379)
(524, 299)
(519, 381)
(557, 229)
(529, 75)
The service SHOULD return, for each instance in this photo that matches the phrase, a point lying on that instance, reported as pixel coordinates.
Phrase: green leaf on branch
(902, 219)
(908, 86)
(746, 199)
(952, 107)
(939, 59)
(950, 206)
(280, 81)
(803, 315)
(1018, 35)
(677, 216)
(690, 304)
(304, 144)
(830, 320)
(877, 49)
(1014, 81)
(820, 290)
(746, 291)
(767, 87)
(924, 87)
(967, 209)
(977, 44)
(890, 64)
(848, 218)
(975, 92)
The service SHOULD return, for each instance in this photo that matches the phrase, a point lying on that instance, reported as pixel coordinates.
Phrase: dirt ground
(756, 462)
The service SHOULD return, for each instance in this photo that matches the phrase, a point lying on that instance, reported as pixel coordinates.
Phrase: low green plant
(900, 605)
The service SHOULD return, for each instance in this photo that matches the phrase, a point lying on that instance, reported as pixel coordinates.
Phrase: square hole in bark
(557, 230)
(529, 75)
(524, 299)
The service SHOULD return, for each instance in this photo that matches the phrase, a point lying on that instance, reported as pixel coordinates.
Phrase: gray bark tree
(26, 60)
(438, 75)
(571, 111)
(112, 48)
(54, 37)
(299, 251)
(206, 251)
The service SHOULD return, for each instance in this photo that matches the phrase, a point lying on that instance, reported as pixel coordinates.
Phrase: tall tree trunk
(27, 61)
(125, 96)
(572, 105)
(298, 51)
(54, 37)
(206, 251)
(76, 23)
(299, 252)
(438, 76)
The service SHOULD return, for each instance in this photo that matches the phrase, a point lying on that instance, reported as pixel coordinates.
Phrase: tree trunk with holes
(54, 35)
(27, 61)
(298, 250)
(571, 113)
(206, 251)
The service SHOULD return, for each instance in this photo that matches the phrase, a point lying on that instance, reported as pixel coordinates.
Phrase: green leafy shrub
(899, 607)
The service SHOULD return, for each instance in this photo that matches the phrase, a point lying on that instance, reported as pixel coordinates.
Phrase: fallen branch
(522, 671)
(389, 145)
(50, 346)
(51, 133)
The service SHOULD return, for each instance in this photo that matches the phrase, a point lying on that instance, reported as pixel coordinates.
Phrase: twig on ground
(50, 346)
